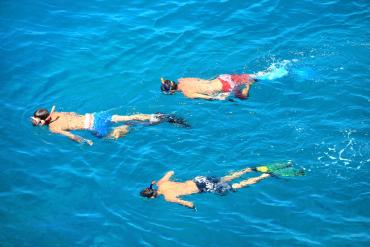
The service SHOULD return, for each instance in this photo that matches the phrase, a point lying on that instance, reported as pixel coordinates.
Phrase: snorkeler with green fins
(172, 191)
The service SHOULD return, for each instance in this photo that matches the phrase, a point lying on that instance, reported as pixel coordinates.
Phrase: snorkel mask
(149, 192)
(36, 121)
(168, 87)
(42, 117)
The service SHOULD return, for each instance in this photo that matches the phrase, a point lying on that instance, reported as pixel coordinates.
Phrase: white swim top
(89, 121)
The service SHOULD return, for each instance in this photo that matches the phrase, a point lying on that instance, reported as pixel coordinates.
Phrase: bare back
(189, 86)
(170, 189)
(66, 121)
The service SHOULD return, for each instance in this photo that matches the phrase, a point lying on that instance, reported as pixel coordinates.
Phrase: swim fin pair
(169, 118)
(284, 169)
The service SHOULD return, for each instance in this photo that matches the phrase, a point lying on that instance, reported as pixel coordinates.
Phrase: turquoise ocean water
(89, 56)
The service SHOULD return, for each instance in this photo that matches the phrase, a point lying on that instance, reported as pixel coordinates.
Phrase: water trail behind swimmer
(305, 74)
(274, 71)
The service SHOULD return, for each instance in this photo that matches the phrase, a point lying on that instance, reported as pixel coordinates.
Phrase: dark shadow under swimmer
(100, 124)
(172, 191)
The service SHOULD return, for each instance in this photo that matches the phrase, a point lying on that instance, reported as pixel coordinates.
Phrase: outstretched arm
(166, 177)
(73, 137)
(220, 96)
(180, 201)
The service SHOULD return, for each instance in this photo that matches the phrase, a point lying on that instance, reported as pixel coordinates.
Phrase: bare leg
(119, 132)
(242, 90)
(243, 94)
(137, 117)
(250, 181)
(235, 175)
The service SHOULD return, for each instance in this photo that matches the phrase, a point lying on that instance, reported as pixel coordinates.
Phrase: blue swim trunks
(212, 185)
(102, 124)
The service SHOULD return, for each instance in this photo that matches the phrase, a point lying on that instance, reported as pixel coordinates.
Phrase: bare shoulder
(55, 128)
(188, 92)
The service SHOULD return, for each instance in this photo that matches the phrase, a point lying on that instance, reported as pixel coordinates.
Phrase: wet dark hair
(148, 192)
(168, 86)
(42, 113)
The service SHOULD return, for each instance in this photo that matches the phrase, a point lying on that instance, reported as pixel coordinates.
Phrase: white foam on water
(347, 154)
(274, 71)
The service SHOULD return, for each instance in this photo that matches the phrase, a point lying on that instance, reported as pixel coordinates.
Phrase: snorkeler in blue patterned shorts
(100, 124)
(172, 191)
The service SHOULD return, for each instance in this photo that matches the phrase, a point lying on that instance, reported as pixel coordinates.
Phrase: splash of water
(274, 71)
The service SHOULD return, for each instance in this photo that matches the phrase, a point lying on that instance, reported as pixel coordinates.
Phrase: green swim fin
(289, 172)
(281, 169)
(272, 167)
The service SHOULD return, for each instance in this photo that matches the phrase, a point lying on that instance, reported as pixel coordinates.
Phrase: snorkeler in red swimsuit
(219, 88)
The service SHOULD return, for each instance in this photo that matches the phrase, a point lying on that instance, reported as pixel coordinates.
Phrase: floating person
(100, 124)
(224, 85)
(172, 191)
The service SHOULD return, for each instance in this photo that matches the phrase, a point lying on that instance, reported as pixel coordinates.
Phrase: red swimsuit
(229, 82)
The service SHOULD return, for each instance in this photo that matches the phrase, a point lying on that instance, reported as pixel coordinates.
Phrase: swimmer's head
(40, 116)
(168, 87)
(149, 192)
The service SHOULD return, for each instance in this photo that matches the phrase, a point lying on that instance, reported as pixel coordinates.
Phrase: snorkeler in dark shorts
(100, 124)
(172, 191)
(212, 185)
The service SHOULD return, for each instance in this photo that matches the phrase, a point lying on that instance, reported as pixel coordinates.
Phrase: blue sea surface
(90, 56)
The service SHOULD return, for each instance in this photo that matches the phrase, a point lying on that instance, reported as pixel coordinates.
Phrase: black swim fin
(172, 119)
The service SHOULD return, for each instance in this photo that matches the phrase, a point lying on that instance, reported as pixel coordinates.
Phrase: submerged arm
(222, 96)
(180, 201)
(73, 137)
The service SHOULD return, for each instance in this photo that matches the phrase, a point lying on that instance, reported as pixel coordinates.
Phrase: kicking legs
(250, 181)
(135, 117)
(119, 131)
(235, 175)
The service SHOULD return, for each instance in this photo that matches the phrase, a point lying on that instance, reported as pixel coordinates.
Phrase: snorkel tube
(37, 118)
(151, 184)
(47, 121)
(149, 192)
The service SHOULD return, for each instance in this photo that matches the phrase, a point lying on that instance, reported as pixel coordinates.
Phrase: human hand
(221, 96)
(189, 205)
(89, 142)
